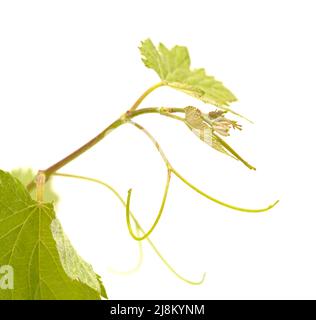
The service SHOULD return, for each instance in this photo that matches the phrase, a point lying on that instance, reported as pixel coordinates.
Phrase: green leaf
(32, 242)
(27, 175)
(173, 68)
(205, 126)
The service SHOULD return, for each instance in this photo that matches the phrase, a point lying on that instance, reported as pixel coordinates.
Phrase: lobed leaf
(45, 265)
(173, 68)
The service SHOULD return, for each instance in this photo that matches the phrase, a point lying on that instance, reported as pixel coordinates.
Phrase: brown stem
(128, 115)
(49, 171)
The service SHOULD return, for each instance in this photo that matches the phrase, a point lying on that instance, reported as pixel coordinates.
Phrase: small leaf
(196, 123)
(173, 68)
(32, 242)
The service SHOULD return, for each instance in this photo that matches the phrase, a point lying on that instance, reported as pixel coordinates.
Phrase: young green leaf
(173, 68)
(209, 126)
(196, 123)
(32, 242)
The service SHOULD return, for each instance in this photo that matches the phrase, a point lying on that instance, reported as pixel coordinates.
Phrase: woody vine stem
(126, 118)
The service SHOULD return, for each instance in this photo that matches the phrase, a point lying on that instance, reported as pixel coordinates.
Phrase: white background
(69, 68)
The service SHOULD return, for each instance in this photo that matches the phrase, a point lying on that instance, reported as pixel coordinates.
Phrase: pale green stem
(40, 185)
(154, 141)
(140, 258)
(136, 223)
(233, 152)
(219, 201)
(146, 235)
(192, 186)
(144, 95)
(172, 116)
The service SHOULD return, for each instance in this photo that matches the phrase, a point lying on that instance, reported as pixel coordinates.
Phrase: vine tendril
(227, 205)
(135, 237)
(139, 262)
(153, 246)
(176, 173)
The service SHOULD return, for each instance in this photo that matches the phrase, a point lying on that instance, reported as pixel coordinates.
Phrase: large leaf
(173, 68)
(32, 242)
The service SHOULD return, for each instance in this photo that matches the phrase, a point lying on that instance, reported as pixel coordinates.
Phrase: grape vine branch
(25, 220)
